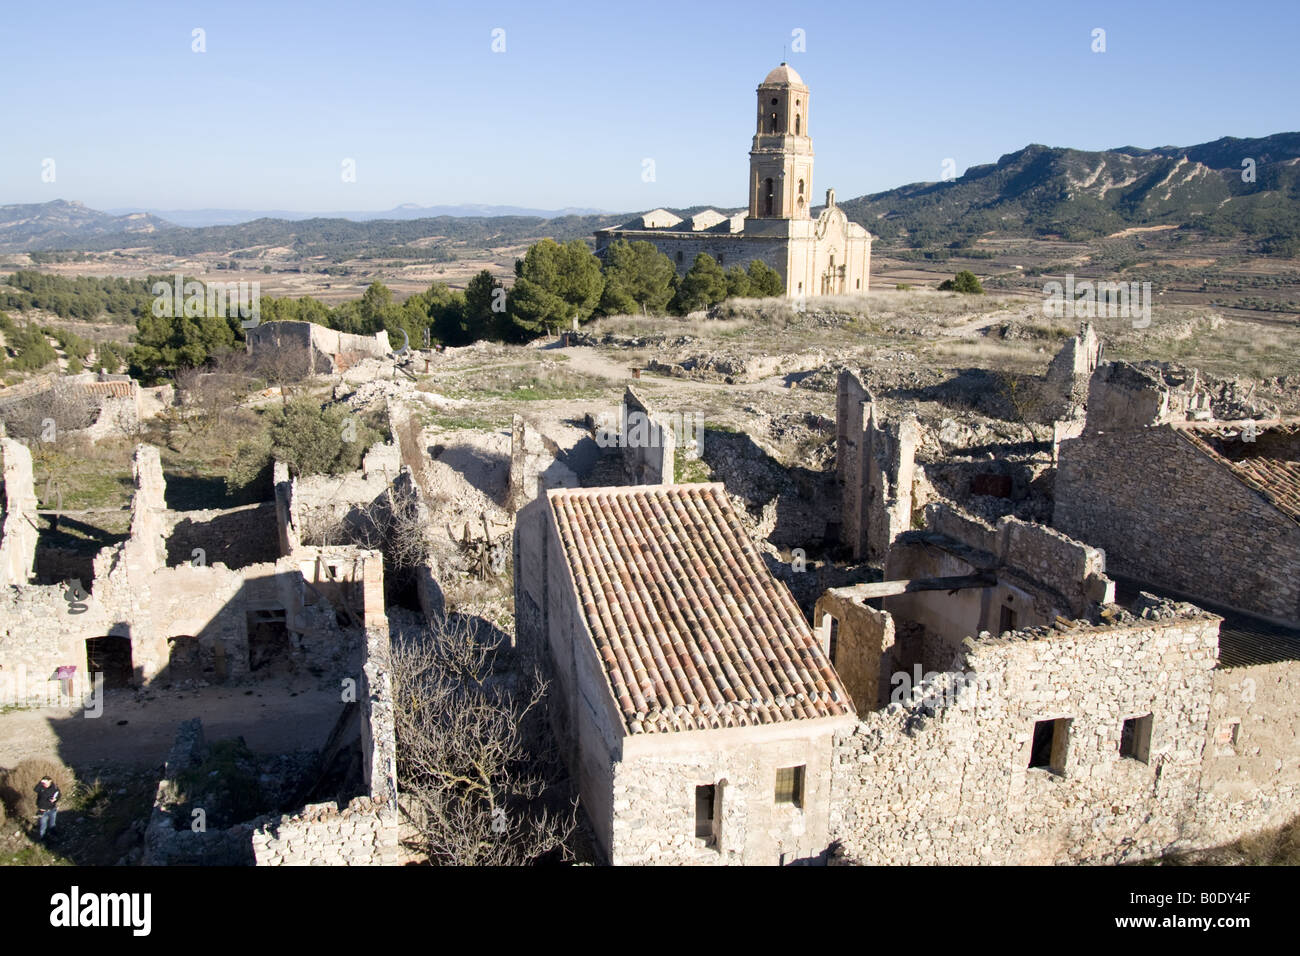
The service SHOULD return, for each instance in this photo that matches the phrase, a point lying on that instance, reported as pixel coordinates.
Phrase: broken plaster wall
(1039, 574)
(323, 350)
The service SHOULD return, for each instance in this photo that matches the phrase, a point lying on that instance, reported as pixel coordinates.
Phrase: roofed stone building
(828, 255)
(695, 705)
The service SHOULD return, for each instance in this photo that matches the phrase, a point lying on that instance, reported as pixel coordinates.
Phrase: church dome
(783, 75)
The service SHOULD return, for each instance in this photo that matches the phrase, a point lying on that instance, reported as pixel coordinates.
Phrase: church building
(826, 256)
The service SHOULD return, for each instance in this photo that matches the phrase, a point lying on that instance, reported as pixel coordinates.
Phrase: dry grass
(1279, 847)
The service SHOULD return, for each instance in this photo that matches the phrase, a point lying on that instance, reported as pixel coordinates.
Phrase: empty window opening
(720, 257)
(1006, 619)
(110, 656)
(705, 805)
(1051, 739)
(859, 284)
(796, 124)
(679, 257)
(268, 638)
(770, 200)
(833, 643)
(1227, 734)
(1135, 738)
(789, 786)
(771, 123)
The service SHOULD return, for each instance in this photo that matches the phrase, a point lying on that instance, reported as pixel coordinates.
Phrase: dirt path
(138, 728)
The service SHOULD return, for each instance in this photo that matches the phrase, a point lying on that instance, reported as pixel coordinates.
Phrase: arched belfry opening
(782, 152)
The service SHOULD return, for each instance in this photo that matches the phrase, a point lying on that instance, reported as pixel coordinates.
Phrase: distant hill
(230, 217)
(1042, 191)
(1038, 191)
(50, 226)
(61, 224)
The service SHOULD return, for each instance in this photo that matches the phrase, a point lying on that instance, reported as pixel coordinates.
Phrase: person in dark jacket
(47, 804)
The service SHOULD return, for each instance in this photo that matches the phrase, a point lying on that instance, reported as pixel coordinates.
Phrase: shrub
(18, 791)
(964, 281)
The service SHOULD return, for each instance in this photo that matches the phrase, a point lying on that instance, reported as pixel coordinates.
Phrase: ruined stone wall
(1072, 367)
(863, 654)
(1251, 778)
(19, 532)
(235, 537)
(875, 468)
(169, 841)
(946, 778)
(378, 722)
(288, 521)
(321, 347)
(365, 833)
(648, 444)
(534, 467)
(1167, 514)
(655, 802)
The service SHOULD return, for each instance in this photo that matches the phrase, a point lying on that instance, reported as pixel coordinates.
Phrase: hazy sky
(585, 92)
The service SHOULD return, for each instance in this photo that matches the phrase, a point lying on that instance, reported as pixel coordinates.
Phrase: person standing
(47, 808)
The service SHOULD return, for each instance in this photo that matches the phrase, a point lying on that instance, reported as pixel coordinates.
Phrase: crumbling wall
(534, 465)
(321, 349)
(1072, 367)
(946, 779)
(288, 522)
(362, 834)
(1171, 516)
(648, 444)
(19, 533)
(235, 537)
(875, 468)
(365, 833)
(863, 652)
(189, 842)
(1251, 779)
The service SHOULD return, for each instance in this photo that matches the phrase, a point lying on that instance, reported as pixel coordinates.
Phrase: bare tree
(475, 762)
(50, 414)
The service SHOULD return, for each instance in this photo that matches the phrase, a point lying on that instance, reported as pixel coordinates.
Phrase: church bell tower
(781, 159)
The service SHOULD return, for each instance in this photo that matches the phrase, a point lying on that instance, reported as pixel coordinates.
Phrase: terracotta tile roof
(692, 628)
(1270, 464)
(109, 389)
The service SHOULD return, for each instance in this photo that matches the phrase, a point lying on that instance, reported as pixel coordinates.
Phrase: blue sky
(584, 92)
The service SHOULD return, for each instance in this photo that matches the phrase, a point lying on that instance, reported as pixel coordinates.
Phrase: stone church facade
(828, 255)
